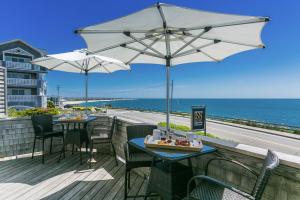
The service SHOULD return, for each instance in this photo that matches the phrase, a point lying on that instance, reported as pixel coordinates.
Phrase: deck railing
(21, 82)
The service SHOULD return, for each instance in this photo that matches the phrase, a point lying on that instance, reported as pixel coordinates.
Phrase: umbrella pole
(168, 98)
(86, 90)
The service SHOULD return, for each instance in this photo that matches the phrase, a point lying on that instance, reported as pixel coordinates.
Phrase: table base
(169, 180)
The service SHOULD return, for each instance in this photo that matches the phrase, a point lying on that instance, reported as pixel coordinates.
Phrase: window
(17, 58)
(19, 75)
(21, 92)
(8, 58)
(15, 91)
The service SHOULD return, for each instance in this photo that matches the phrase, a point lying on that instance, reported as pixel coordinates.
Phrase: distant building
(3, 98)
(25, 82)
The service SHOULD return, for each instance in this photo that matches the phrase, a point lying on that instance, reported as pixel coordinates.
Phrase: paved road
(240, 135)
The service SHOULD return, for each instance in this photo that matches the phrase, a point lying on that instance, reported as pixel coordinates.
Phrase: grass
(185, 129)
(264, 125)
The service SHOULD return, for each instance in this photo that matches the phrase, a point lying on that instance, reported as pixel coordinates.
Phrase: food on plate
(181, 142)
(162, 142)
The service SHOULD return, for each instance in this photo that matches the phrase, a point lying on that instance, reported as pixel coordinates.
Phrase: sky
(273, 72)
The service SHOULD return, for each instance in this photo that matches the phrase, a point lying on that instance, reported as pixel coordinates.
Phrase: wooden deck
(24, 178)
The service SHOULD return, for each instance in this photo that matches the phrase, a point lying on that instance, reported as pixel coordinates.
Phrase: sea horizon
(284, 112)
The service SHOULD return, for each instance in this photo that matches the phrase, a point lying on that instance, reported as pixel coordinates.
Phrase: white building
(25, 82)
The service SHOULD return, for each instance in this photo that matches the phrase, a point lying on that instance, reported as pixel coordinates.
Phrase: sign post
(198, 119)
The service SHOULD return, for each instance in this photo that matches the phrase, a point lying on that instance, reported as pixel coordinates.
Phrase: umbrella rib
(47, 58)
(195, 50)
(108, 63)
(145, 49)
(96, 58)
(250, 21)
(118, 45)
(233, 42)
(74, 65)
(166, 32)
(98, 64)
(142, 52)
(161, 13)
(118, 65)
(81, 31)
(191, 41)
(106, 69)
(225, 41)
(194, 47)
(79, 64)
(209, 56)
(57, 65)
(102, 65)
(128, 34)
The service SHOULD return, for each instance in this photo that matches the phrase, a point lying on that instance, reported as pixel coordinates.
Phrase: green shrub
(83, 108)
(185, 129)
(50, 104)
(35, 111)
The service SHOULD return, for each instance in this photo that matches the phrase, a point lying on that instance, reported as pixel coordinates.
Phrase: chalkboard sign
(198, 118)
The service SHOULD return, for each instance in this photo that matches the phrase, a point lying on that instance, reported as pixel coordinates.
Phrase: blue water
(274, 111)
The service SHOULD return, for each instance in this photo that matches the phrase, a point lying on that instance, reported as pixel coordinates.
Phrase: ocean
(274, 111)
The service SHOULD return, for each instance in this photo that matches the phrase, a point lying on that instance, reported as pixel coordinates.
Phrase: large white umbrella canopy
(79, 61)
(171, 35)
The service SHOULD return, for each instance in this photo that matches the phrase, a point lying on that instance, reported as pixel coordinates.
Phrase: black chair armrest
(231, 161)
(217, 182)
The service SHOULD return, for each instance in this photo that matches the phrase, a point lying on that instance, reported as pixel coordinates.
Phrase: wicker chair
(212, 189)
(105, 137)
(134, 157)
(43, 129)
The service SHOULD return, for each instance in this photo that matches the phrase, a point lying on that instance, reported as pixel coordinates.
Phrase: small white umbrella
(79, 62)
(171, 35)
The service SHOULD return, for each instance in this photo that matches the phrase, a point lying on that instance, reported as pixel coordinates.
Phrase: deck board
(26, 178)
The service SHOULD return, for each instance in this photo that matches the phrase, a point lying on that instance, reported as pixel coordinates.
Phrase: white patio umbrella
(79, 62)
(171, 35)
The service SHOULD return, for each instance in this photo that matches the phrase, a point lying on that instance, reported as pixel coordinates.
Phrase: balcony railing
(21, 82)
(21, 66)
(18, 65)
(22, 98)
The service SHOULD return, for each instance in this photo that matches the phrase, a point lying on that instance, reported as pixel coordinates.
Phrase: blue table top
(88, 119)
(170, 155)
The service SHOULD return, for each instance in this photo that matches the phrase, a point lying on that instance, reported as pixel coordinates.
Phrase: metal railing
(21, 66)
(18, 65)
(22, 98)
(21, 82)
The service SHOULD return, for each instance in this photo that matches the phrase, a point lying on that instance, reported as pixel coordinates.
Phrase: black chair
(43, 129)
(134, 157)
(104, 136)
(211, 189)
(77, 137)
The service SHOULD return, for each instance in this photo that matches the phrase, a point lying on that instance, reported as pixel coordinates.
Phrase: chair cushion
(139, 160)
(210, 191)
(140, 157)
(53, 134)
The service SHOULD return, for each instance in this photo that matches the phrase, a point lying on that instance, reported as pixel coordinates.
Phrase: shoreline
(81, 101)
(75, 102)
(242, 122)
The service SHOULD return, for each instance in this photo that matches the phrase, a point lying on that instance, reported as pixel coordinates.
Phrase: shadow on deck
(24, 178)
